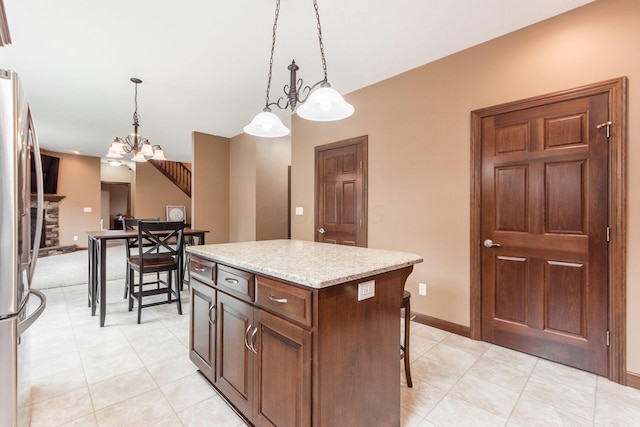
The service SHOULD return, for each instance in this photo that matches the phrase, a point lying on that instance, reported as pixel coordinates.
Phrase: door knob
(489, 244)
(321, 230)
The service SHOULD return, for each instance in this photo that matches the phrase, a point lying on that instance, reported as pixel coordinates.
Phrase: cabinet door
(283, 373)
(202, 339)
(235, 358)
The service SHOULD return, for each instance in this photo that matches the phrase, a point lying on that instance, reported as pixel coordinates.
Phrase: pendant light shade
(324, 105)
(138, 157)
(158, 154)
(266, 125)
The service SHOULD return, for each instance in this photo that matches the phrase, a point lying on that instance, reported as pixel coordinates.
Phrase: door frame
(364, 142)
(617, 211)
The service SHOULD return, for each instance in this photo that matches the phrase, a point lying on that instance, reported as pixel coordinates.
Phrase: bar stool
(404, 349)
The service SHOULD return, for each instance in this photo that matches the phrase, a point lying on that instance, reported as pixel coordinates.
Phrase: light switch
(299, 210)
(87, 209)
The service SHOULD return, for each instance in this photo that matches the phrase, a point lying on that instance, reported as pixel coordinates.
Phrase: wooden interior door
(544, 230)
(341, 193)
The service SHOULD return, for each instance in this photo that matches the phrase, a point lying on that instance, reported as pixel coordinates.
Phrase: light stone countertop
(312, 264)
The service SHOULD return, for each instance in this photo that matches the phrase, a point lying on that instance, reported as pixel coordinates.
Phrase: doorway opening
(115, 204)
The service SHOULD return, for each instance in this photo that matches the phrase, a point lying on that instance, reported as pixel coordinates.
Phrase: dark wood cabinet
(235, 358)
(202, 339)
(282, 366)
(289, 355)
(264, 364)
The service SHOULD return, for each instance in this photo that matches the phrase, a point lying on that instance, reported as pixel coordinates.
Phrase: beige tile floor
(127, 374)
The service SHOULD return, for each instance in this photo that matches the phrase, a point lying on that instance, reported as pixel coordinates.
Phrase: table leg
(93, 275)
(89, 270)
(102, 251)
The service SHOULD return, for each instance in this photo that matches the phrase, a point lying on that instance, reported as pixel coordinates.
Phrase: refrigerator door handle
(28, 321)
(39, 199)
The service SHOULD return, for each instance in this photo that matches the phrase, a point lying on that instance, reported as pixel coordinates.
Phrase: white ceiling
(204, 63)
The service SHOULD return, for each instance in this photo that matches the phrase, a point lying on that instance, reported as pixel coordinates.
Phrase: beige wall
(154, 192)
(210, 186)
(418, 125)
(242, 181)
(259, 188)
(272, 188)
(73, 220)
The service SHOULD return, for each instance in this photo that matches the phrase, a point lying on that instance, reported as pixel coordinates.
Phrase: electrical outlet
(422, 289)
(366, 290)
(75, 238)
(88, 210)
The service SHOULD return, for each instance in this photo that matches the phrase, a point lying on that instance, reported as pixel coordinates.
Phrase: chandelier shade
(322, 104)
(133, 143)
(266, 125)
(325, 104)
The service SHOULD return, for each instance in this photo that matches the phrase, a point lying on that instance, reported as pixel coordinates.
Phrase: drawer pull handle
(278, 300)
(230, 280)
(199, 269)
(246, 337)
(253, 340)
(212, 320)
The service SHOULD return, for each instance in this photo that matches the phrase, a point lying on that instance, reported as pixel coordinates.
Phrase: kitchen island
(298, 333)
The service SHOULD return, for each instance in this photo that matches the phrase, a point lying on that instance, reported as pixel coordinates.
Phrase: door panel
(284, 373)
(234, 368)
(545, 202)
(341, 195)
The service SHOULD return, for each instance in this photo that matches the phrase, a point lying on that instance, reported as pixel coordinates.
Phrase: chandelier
(322, 104)
(134, 143)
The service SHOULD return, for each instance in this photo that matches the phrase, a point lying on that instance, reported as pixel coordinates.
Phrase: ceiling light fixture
(134, 143)
(324, 104)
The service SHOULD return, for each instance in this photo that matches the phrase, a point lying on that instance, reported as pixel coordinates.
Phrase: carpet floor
(72, 269)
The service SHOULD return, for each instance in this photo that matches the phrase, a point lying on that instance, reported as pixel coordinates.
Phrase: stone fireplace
(50, 240)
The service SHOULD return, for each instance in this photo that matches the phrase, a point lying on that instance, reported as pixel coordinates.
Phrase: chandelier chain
(273, 47)
(324, 62)
(135, 101)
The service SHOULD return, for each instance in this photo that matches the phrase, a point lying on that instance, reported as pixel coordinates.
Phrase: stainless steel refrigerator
(20, 306)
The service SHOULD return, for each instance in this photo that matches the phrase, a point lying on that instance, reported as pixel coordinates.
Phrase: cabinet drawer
(289, 301)
(236, 282)
(202, 269)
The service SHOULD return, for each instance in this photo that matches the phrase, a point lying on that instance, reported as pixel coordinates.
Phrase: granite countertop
(312, 264)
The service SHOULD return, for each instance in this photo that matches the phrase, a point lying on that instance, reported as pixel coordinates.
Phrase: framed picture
(176, 213)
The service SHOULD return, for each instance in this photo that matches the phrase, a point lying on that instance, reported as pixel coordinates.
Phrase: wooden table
(97, 280)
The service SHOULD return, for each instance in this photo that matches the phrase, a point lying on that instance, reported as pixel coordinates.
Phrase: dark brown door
(341, 193)
(543, 225)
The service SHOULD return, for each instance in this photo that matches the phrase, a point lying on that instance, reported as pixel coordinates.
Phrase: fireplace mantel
(49, 197)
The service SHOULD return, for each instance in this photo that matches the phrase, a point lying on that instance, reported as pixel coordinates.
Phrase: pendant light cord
(324, 62)
(273, 47)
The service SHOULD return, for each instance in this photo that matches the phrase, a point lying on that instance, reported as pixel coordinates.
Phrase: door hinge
(360, 164)
(360, 222)
(608, 234)
(606, 124)
(608, 338)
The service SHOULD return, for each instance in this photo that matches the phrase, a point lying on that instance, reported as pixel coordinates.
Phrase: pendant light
(322, 104)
